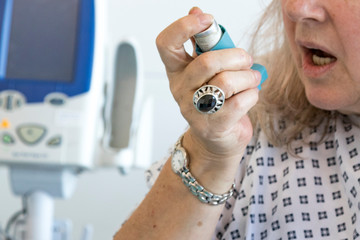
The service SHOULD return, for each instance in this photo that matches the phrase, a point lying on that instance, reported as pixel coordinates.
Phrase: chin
(325, 100)
(334, 101)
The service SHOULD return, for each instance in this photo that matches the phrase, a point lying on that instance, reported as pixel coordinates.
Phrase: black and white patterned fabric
(280, 196)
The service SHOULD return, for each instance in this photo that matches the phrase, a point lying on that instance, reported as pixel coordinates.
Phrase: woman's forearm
(170, 211)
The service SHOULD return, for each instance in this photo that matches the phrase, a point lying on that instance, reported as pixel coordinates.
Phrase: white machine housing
(60, 129)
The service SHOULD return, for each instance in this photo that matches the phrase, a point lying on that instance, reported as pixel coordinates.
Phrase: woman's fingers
(241, 93)
(224, 124)
(239, 105)
(170, 42)
(234, 82)
(204, 67)
(231, 82)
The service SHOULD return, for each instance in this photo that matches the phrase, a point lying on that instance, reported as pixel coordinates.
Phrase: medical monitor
(48, 72)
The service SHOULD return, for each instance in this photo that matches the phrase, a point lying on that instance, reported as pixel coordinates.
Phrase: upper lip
(307, 46)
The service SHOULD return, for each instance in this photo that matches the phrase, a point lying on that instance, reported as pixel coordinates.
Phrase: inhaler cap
(208, 39)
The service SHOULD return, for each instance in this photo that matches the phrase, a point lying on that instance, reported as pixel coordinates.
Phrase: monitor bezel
(36, 90)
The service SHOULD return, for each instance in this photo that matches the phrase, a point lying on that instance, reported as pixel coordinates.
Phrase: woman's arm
(215, 143)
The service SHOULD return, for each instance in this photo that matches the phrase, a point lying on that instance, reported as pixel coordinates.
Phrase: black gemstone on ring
(206, 103)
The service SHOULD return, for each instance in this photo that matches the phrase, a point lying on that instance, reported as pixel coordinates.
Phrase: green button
(7, 139)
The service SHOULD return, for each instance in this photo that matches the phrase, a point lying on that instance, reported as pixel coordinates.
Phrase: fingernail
(206, 19)
(251, 61)
(195, 11)
(257, 75)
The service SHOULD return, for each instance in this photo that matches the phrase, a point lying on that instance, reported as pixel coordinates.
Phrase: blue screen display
(42, 44)
(46, 46)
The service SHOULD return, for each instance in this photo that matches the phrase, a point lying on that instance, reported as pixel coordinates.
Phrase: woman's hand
(215, 142)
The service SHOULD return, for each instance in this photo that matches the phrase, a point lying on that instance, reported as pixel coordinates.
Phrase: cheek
(289, 33)
(347, 27)
(351, 58)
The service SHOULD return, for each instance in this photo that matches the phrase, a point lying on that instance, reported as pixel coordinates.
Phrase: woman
(297, 174)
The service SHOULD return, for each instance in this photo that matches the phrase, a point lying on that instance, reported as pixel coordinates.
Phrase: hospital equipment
(60, 112)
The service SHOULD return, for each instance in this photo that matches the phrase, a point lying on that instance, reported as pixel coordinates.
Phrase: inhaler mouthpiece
(208, 39)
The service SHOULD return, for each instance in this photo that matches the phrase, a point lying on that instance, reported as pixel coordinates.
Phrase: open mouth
(321, 58)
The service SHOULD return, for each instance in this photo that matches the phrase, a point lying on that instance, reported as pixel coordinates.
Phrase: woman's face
(324, 36)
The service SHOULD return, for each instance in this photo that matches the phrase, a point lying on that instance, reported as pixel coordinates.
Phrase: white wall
(103, 197)
(144, 19)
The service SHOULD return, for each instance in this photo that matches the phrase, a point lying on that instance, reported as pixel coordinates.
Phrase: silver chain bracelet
(180, 164)
(201, 193)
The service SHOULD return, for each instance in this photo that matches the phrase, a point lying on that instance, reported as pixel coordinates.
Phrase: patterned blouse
(312, 194)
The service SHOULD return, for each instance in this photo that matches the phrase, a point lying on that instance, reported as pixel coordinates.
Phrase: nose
(305, 10)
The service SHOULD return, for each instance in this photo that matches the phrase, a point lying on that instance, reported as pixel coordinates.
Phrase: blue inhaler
(215, 38)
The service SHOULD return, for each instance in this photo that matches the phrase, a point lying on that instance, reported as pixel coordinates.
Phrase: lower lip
(314, 71)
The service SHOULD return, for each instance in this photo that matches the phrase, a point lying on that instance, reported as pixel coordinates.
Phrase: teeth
(321, 61)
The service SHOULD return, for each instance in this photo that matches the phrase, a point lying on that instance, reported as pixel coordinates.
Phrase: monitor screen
(42, 44)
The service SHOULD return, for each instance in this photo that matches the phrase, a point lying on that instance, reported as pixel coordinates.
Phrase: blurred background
(103, 197)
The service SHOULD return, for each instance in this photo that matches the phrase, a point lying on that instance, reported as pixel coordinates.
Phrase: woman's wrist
(215, 172)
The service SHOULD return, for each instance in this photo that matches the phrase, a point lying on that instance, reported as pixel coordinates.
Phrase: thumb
(195, 11)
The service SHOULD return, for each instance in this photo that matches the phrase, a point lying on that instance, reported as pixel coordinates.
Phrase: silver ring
(208, 99)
